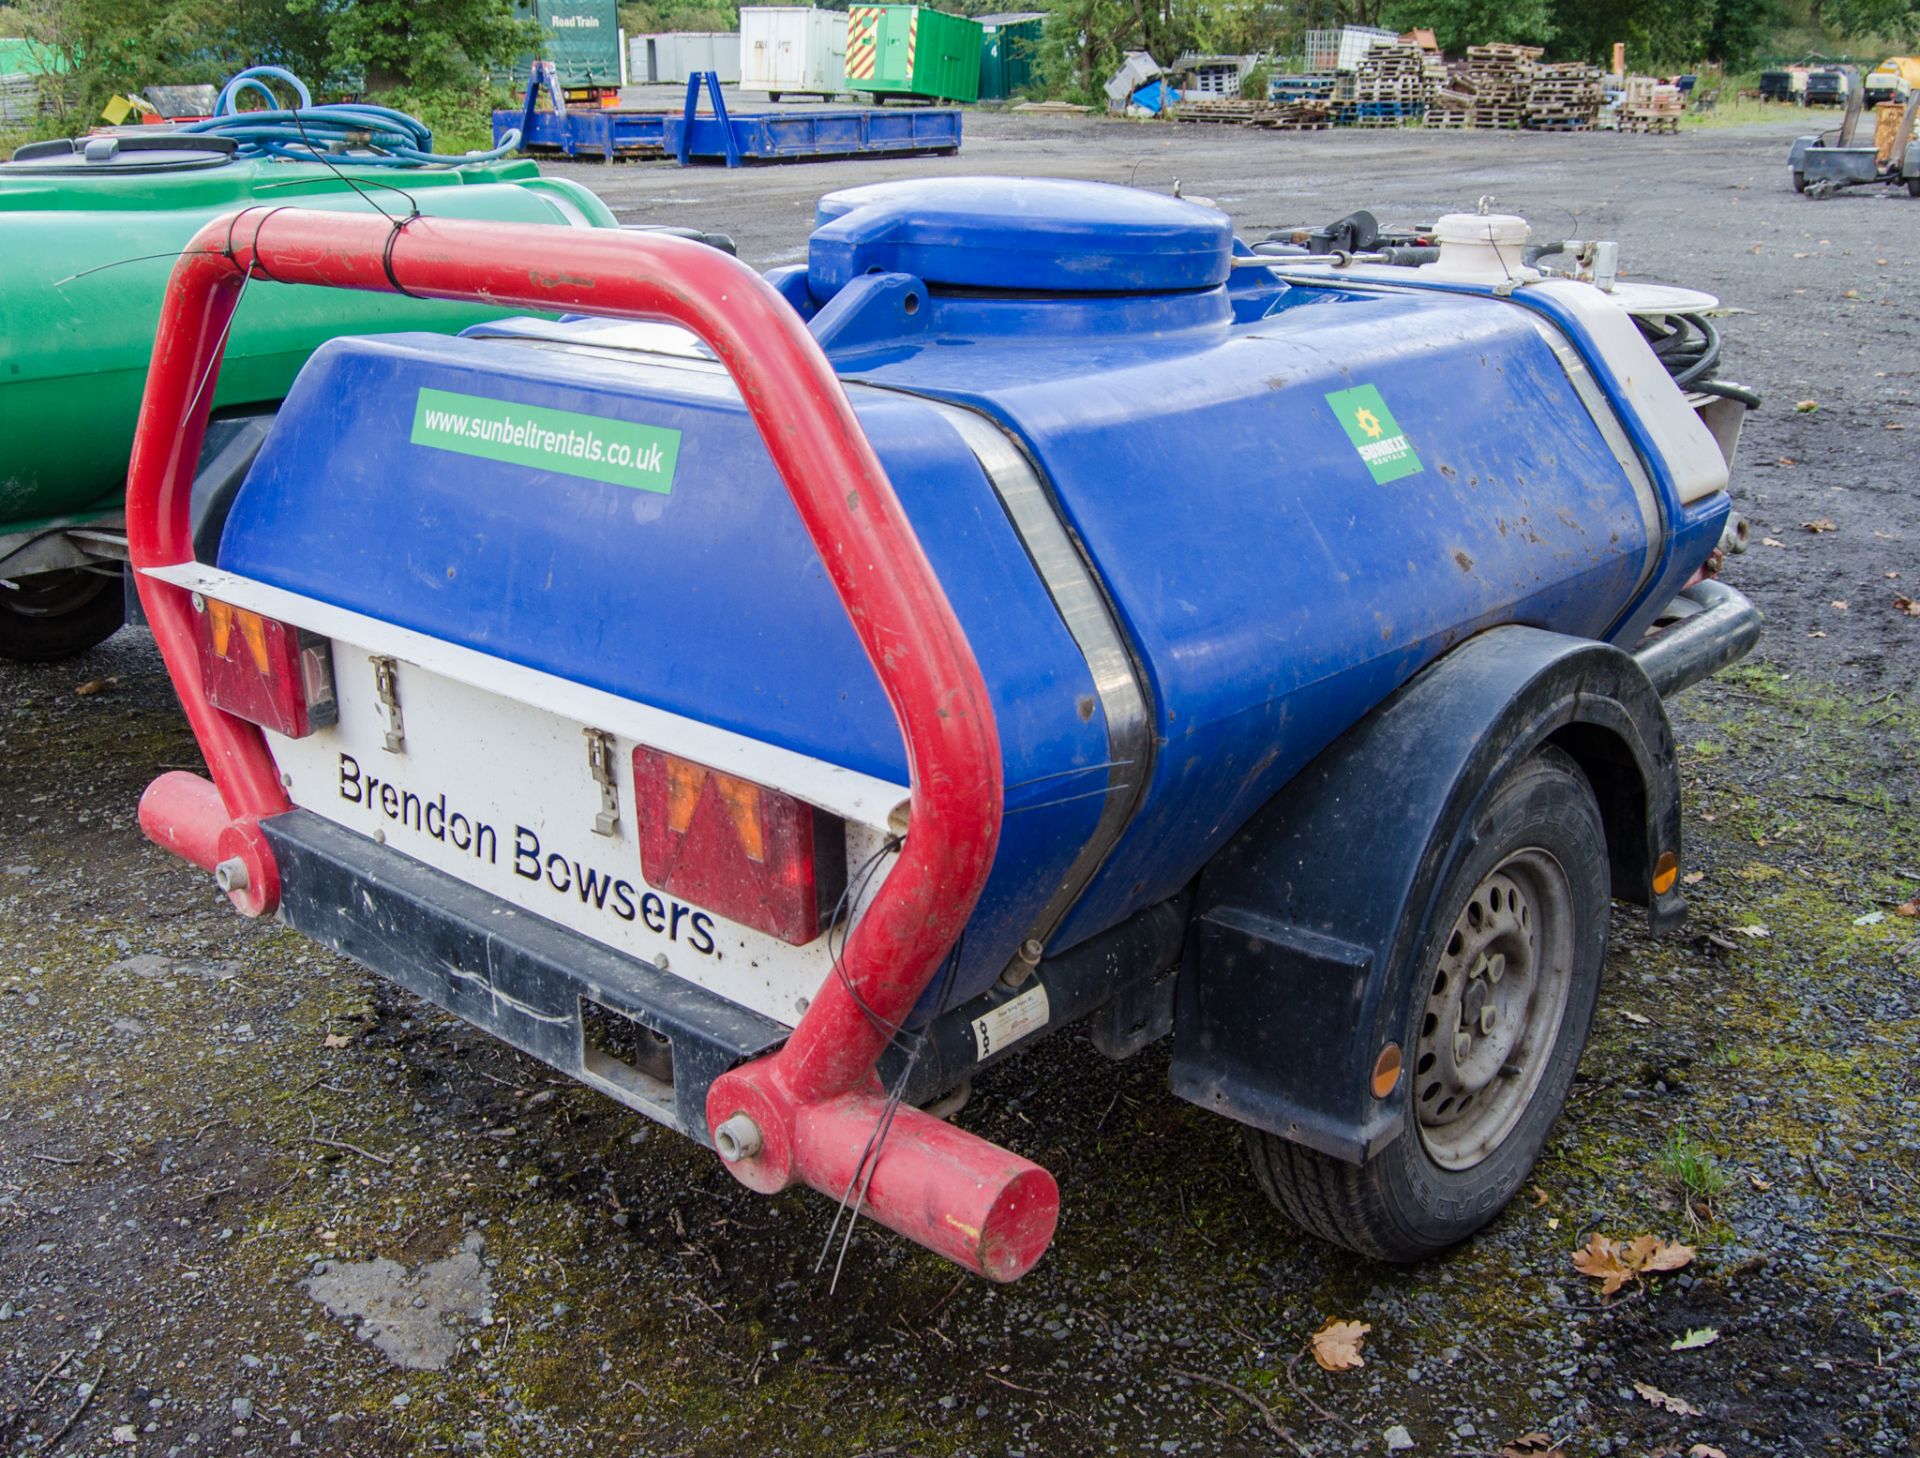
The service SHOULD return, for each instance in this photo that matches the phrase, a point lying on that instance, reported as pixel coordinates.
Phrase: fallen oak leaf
(1771, 542)
(336, 1040)
(94, 686)
(1667, 1255)
(1758, 1183)
(1336, 1346)
(1601, 1260)
(1706, 1450)
(1908, 908)
(1839, 604)
(1695, 1338)
(1818, 525)
(1693, 878)
(1532, 1445)
(1678, 1406)
(1907, 605)
(1806, 407)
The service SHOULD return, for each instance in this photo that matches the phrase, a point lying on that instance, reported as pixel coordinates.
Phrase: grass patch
(1688, 1169)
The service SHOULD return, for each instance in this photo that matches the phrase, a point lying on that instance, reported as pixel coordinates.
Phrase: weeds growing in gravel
(1689, 1170)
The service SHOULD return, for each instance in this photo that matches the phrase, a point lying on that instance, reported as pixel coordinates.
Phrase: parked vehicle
(1787, 83)
(775, 700)
(1894, 79)
(1830, 86)
(1827, 162)
(89, 229)
(793, 50)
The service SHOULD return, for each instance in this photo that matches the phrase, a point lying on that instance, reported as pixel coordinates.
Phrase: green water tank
(89, 231)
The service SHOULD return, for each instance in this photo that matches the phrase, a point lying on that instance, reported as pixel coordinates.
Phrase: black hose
(1747, 397)
(1687, 344)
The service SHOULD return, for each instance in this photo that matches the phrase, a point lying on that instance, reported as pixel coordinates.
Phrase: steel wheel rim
(1496, 997)
(52, 594)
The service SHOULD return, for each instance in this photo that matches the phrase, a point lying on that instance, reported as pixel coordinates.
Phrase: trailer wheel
(1913, 187)
(55, 615)
(1799, 181)
(1503, 999)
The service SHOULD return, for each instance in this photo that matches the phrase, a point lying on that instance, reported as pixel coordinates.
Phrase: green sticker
(615, 451)
(1383, 446)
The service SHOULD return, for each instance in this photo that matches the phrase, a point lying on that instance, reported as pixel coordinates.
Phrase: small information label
(618, 452)
(1008, 1023)
(1384, 448)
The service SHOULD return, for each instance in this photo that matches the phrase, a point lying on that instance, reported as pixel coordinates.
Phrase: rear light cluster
(737, 848)
(748, 853)
(265, 671)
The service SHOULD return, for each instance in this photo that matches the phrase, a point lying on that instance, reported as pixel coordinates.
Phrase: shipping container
(909, 50)
(581, 38)
(793, 49)
(1009, 52)
(672, 56)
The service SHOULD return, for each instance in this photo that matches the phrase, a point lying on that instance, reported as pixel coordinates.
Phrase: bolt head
(736, 1139)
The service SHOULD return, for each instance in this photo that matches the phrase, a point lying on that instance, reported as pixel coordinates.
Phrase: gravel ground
(251, 1199)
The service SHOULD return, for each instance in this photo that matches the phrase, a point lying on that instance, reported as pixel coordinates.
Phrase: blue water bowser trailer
(772, 700)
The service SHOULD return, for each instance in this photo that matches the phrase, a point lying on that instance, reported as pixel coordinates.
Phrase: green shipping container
(582, 40)
(1009, 53)
(908, 50)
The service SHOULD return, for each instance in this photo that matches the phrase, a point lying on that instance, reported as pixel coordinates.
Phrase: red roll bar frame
(809, 1110)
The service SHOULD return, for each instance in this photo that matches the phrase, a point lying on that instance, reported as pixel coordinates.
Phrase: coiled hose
(366, 135)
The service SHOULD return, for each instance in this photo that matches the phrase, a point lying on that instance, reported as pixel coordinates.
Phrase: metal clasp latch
(600, 766)
(386, 687)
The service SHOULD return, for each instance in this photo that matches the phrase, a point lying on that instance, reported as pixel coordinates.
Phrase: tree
(1739, 31)
(1457, 24)
(1897, 20)
(421, 44)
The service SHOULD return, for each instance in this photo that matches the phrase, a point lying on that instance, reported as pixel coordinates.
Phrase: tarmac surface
(253, 1200)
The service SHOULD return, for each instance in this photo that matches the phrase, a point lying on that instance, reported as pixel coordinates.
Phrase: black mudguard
(1307, 926)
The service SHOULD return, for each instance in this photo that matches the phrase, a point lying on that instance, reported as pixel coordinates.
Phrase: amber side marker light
(1386, 1070)
(1666, 871)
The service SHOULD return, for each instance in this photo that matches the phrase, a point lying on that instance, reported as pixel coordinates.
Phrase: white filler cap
(1482, 248)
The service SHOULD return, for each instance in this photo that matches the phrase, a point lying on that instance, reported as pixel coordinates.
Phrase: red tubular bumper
(815, 1103)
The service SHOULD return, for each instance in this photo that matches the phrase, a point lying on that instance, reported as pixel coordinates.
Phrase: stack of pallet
(1564, 98)
(1490, 91)
(1222, 110)
(1314, 86)
(1308, 114)
(1392, 86)
(1651, 106)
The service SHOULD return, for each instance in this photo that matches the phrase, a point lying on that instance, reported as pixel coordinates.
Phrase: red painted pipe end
(184, 813)
(983, 1207)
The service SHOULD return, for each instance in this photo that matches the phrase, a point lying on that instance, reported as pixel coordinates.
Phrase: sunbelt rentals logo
(1383, 446)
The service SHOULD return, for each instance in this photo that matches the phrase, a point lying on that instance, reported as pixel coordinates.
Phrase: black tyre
(1799, 181)
(1503, 998)
(55, 615)
(1913, 187)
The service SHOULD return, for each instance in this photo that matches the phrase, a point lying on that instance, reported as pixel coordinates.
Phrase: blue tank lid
(1030, 234)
